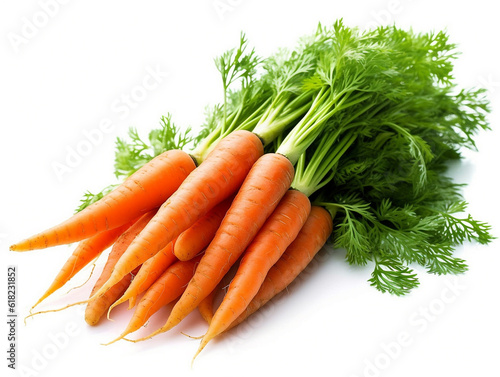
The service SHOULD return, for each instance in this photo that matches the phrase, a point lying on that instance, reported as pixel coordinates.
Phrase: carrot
(147, 275)
(206, 307)
(144, 190)
(265, 185)
(280, 229)
(166, 289)
(294, 260)
(198, 236)
(86, 251)
(219, 176)
(96, 307)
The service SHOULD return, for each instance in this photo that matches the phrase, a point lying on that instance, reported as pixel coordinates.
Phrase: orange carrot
(265, 185)
(86, 251)
(297, 256)
(96, 307)
(196, 238)
(147, 275)
(206, 306)
(144, 190)
(214, 180)
(278, 232)
(166, 289)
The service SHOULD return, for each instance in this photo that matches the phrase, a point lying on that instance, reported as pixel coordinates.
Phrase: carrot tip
(192, 337)
(122, 336)
(159, 331)
(137, 340)
(200, 348)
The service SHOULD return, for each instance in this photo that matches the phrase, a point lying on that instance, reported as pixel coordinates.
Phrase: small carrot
(144, 190)
(265, 185)
(198, 236)
(294, 260)
(96, 307)
(206, 307)
(86, 251)
(278, 232)
(147, 275)
(219, 176)
(166, 289)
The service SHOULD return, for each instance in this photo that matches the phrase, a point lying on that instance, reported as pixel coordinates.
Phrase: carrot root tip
(122, 336)
(192, 337)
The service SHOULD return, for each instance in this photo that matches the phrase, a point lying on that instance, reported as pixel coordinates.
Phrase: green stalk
(280, 115)
(324, 106)
(319, 171)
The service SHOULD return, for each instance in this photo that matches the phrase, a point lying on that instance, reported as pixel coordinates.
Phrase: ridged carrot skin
(266, 183)
(144, 190)
(86, 251)
(197, 237)
(218, 177)
(309, 241)
(166, 289)
(98, 306)
(278, 232)
(148, 274)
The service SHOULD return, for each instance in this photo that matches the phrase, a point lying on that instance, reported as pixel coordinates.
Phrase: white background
(64, 79)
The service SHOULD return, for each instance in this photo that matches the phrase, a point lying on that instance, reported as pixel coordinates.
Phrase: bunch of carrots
(345, 138)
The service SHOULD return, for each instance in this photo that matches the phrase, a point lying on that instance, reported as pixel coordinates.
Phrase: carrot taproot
(86, 251)
(277, 233)
(163, 291)
(298, 255)
(144, 190)
(217, 177)
(197, 237)
(97, 306)
(263, 188)
(147, 275)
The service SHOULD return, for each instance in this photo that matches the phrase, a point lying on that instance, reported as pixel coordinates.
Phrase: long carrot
(198, 236)
(265, 185)
(280, 229)
(219, 176)
(144, 190)
(294, 260)
(97, 306)
(147, 275)
(86, 251)
(166, 289)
